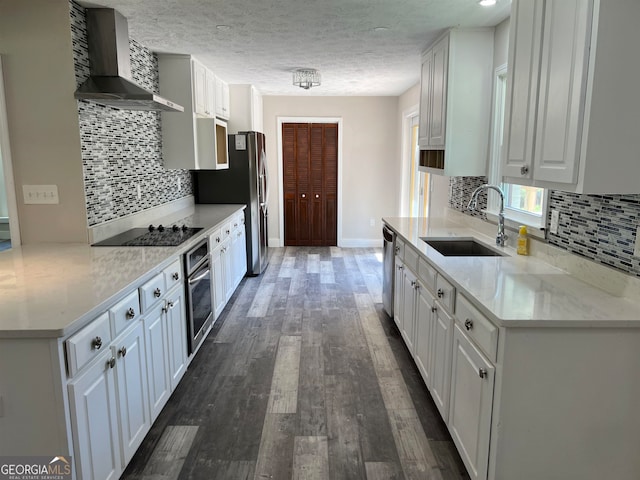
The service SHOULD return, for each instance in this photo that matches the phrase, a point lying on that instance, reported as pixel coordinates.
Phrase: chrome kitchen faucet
(501, 237)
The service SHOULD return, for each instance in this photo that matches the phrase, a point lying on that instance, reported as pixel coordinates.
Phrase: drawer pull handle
(157, 292)
(122, 351)
(468, 324)
(416, 286)
(96, 343)
(413, 283)
(130, 313)
(397, 249)
(228, 231)
(175, 276)
(440, 293)
(111, 362)
(217, 239)
(482, 373)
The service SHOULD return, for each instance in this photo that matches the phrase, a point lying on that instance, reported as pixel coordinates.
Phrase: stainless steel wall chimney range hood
(111, 81)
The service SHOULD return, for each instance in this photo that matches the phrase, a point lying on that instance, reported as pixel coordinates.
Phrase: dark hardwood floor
(303, 376)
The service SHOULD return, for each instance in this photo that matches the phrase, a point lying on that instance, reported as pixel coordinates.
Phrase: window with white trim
(522, 204)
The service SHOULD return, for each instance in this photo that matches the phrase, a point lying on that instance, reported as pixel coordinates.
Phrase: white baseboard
(345, 243)
(361, 243)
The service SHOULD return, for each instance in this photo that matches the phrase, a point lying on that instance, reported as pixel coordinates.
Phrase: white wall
(370, 165)
(42, 115)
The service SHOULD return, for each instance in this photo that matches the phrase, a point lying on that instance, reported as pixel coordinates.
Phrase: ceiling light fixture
(306, 78)
(487, 3)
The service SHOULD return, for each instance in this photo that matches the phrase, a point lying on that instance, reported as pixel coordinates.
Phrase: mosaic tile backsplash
(601, 228)
(122, 150)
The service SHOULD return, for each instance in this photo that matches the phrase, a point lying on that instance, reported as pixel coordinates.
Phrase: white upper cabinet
(189, 138)
(246, 101)
(222, 99)
(455, 103)
(572, 114)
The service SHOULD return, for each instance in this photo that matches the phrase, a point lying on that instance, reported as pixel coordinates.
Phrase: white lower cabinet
(239, 255)
(175, 315)
(94, 421)
(109, 407)
(398, 293)
(409, 289)
(424, 331)
(441, 371)
(472, 381)
(156, 338)
(131, 379)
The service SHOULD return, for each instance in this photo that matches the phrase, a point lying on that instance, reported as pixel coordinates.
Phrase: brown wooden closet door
(310, 157)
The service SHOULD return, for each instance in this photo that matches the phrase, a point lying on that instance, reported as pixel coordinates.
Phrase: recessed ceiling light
(223, 27)
(487, 3)
(380, 29)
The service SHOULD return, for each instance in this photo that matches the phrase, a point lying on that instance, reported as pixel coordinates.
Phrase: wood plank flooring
(303, 376)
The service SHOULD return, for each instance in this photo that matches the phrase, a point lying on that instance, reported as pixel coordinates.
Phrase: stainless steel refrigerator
(245, 181)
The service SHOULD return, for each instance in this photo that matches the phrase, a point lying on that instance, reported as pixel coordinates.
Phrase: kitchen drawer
(411, 258)
(215, 239)
(172, 275)
(478, 327)
(399, 248)
(427, 274)
(446, 293)
(88, 343)
(236, 223)
(151, 292)
(124, 312)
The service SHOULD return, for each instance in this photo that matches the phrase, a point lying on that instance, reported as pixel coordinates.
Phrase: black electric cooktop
(151, 237)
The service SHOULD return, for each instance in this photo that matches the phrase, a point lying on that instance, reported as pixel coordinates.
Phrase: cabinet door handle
(175, 276)
(482, 373)
(413, 283)
(440, 293)
(416, 286)
(96, 343)
(157, 292)
(397, 249)
(111, 362)
(468, 324)
(434, 309)
(130, 313)
(217, 239)
(122, 351)
(228, 231)
(524, 170)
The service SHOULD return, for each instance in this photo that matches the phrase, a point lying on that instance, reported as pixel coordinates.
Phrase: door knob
(317, 196)
(304, 195)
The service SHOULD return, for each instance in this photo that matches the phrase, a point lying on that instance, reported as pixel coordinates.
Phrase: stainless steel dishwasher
(388, 255)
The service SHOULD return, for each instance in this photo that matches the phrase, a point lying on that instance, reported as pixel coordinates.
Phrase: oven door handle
(199, 277)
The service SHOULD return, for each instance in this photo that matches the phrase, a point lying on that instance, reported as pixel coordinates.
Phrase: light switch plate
(636, 248)
(40, 194)
(555, 219)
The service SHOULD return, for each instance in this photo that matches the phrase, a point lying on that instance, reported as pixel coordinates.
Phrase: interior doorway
(310, 183)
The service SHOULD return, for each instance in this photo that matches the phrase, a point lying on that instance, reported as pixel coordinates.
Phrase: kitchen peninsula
(70, 314)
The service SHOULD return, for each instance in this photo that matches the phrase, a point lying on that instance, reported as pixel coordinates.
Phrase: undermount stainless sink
(461, 247)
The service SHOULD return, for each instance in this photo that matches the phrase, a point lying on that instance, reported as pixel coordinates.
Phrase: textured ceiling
(268, 39)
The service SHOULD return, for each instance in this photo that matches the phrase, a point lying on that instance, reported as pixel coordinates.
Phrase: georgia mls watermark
(35, 468)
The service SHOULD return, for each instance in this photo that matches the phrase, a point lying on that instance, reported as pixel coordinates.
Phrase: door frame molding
(7, 166)
(281, 120)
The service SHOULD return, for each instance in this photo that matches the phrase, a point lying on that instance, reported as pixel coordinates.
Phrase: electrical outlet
(138, 192)
(40, 194)
(636, 248)
(372, 222)
(555, 219)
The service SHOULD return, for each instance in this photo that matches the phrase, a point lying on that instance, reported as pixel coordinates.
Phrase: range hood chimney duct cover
(111, 83)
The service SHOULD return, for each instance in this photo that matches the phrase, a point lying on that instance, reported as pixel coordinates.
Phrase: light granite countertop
(516, 290)
(53, 290)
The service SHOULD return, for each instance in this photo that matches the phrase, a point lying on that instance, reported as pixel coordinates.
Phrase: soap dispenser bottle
(523, 241)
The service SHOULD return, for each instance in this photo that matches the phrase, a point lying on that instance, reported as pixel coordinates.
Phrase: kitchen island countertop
(515, 290)
(54, 289)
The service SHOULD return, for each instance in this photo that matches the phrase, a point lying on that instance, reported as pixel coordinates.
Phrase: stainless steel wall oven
(199, 299)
